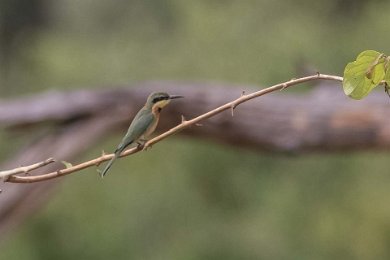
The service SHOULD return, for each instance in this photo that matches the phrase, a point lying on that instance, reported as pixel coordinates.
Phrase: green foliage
(365, 73)
(67, 164)
(387, 76)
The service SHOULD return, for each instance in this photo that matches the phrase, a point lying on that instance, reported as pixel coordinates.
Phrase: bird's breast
(152, 126)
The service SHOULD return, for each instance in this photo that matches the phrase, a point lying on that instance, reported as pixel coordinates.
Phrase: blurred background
(215, 201)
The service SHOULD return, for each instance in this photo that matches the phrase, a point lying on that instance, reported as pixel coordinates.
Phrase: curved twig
(184, 124)
(25, 169)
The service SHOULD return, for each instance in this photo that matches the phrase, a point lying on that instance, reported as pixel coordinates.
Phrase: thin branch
(239, 101)
(184, 124)
(25, 169)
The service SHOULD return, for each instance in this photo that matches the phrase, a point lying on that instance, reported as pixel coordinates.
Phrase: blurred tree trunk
(323, 119)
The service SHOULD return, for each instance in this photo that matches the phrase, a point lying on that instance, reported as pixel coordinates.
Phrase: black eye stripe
(155, 100)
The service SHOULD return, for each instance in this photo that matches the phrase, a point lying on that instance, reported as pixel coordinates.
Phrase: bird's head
(159, 100)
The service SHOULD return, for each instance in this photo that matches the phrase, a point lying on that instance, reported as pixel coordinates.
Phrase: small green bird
(143, 124)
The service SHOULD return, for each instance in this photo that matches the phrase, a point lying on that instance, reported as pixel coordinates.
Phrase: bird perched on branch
(143, 124)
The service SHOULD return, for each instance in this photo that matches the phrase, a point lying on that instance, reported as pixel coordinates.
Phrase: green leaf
(387, 76)
(364, 74)
(67, 164)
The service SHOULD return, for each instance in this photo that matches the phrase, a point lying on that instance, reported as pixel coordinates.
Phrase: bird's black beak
(174, 96)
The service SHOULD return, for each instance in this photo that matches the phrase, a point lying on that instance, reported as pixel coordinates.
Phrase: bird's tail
(117, 152)
(109, 164)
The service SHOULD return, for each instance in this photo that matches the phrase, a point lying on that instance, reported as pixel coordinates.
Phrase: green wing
(137, 128)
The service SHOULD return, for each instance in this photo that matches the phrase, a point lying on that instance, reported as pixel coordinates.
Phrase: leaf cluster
(369, 70)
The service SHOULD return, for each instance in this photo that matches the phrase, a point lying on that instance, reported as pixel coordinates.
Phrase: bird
(143, 124)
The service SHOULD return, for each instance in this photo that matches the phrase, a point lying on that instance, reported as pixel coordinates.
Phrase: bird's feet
(142, 144)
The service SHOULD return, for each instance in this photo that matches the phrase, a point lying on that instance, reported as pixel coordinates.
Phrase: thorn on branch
(146, 147)
(100, 161)
(243, 93)
(183, 119)
(284, 86)
(232, 107)
(198, 124)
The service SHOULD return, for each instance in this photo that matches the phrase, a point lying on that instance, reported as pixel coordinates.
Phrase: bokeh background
(192, 199)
